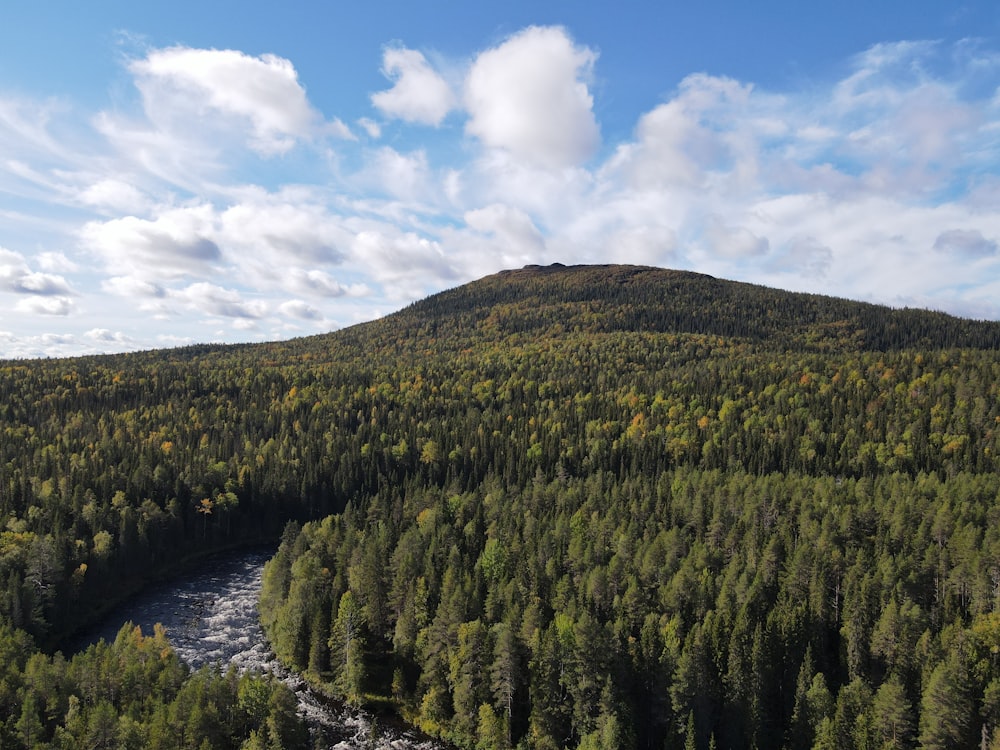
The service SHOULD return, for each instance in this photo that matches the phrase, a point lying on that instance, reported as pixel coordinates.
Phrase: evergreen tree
(892, 715)
(347, 649)
(946, 709)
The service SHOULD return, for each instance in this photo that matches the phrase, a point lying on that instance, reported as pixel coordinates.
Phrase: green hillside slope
(631, 298)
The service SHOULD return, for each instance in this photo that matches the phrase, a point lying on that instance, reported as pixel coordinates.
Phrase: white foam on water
(211, 618)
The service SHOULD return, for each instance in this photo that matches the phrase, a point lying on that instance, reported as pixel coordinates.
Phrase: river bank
(210, 615)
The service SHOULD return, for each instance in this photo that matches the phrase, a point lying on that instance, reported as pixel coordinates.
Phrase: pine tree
(892, 715)
(347, 649)
(945, 709)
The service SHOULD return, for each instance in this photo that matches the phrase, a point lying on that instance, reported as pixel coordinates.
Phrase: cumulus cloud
(178, 83)
(419, 94)
(175, 244)
(319, 283)
(965, 243)
(42, 284)
(804, 255)
(529, 96)
(495, 237)
(215, 300)
(666, 151)
(50, 261)
(300, 309)
(57, 306)
(642, 245)
(733, 242)
(16, 276)
(406, 263)
(404, 176)
(106, 336)
(510, 225)
(265, 243)
(276, 231)
(12, 266)
(681, 140)
(130, 286)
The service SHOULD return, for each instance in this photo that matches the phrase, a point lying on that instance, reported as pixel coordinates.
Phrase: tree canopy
(586, 506)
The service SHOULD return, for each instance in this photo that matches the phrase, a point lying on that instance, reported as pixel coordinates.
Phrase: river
(211, 616)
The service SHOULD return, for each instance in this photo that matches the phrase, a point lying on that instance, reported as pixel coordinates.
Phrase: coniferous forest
(585, 507)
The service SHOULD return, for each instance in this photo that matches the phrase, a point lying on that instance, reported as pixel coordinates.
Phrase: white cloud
(177, 153)
(966, 243)
(510, 225)
(50, 261)
(404, 176)
(733, 242)
(804, 255)
(25, 130)
(179, 242)
(404, 262)
(16, 276)
(300, 309)
(244, 324)
(419, 94)
(42, 284)
(179, 84)
(105, 336)
(371, 127)
(529, 96)
(554, 197)
(115, 195)
(33, 305)
(276, 231)
(667, 150)
(218, 301)
(130, 286)
(495, 237)
(642, 245)
(679, 142)
(319, 283)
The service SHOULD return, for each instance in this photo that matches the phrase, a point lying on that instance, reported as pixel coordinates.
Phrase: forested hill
(589, 506)
(603, 299)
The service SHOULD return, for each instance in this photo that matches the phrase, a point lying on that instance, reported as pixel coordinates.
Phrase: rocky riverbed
(211, 617)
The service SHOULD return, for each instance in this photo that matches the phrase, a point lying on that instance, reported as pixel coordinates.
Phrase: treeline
(134, 694)
(113, 469)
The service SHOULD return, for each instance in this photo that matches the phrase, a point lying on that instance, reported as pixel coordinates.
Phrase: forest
(581, 507)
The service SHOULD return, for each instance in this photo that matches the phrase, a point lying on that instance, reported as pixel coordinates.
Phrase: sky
(190, 172)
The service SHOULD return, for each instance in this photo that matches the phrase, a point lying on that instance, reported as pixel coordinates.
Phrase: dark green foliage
(134, 693)
(728, 630)
(571, 506)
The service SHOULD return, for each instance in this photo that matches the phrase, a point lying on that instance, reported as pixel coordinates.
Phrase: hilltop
(556, 299)
(634, 298)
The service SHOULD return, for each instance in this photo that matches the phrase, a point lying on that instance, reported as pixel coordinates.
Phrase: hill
(553, 300)
(629, 298)
(586, 506)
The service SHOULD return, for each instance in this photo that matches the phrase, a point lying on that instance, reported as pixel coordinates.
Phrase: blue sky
(173, 173)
